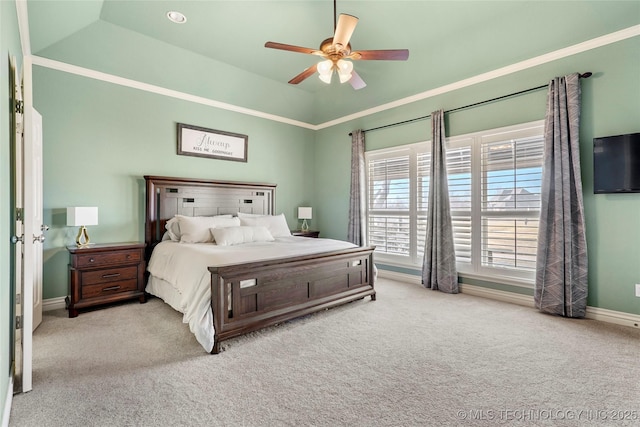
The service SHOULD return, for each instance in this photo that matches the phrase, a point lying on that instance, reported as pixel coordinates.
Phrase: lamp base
(83, 237)
(305, 226)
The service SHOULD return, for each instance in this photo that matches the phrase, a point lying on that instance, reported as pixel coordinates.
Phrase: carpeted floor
(414, 357)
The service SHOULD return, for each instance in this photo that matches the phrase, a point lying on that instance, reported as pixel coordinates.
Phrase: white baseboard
(511, 297)
(401, 277)
(54, 304)
(610, 316)
(7, 402)
(594, 313)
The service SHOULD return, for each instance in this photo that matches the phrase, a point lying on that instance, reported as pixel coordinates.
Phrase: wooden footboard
(248, 297)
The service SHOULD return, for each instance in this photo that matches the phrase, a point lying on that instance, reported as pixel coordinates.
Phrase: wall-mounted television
(616, 164)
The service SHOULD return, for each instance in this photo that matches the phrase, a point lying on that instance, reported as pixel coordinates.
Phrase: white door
(18, 232)
(29, 172)
(33, 208)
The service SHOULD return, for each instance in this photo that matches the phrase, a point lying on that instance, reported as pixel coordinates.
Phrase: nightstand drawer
(105, 289)
(108, 275)
(87, 260)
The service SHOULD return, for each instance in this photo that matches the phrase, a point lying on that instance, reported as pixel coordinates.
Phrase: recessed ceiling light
(176, 17)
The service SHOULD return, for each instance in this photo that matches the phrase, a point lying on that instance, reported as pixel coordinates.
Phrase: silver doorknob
(39, 238)
(44, 227)
(16, 239)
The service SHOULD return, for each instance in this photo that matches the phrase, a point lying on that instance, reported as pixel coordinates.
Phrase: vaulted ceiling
(219, 52)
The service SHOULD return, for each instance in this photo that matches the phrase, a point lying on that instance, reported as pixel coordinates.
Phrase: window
(398, 191)
(494, 180)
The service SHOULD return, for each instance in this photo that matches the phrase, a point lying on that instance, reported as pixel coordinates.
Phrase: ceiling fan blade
(356, 81)
(344, 29)
(304, 75)
(292, 48)
(390, 54)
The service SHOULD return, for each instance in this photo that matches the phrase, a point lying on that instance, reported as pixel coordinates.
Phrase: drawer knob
(91, 260)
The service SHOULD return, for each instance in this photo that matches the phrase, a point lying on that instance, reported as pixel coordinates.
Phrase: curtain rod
(582, 76)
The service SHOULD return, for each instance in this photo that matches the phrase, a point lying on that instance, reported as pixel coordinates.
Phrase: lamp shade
(325, 70)
(304, 213)
(345, 68)
(78, 216)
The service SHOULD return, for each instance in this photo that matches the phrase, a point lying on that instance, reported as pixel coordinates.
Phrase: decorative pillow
(173, 229)
(196, 229)
(276, 224)
(242, 234)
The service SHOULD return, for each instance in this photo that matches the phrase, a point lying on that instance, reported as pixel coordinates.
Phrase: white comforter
(184, 267)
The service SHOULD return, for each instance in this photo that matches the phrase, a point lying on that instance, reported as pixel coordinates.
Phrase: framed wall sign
(215, 144)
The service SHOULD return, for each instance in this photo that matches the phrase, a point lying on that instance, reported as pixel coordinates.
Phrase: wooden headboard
(166, 197)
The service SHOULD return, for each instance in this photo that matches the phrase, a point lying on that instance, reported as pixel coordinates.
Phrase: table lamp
(304, 213)
(82, 216)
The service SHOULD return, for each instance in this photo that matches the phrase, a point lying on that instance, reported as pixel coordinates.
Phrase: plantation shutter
(459, 180)
(510, 202)
(423, 165)
(389, 203)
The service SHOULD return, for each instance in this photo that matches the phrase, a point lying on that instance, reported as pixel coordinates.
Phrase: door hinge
(19, 107)
(18, 322)
(19, 214)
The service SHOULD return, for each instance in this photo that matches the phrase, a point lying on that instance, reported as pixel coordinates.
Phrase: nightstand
(308, 233)
(105, 273)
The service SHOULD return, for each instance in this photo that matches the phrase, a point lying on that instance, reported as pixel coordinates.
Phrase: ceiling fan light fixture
(344, 77)
(345, 68)
(176, 17)
(325, 70)
(325, 78)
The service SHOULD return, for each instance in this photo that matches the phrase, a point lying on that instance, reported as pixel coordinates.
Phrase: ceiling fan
(336, 52)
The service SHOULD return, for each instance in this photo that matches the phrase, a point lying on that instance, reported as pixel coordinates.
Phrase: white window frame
(411, 150)
(474, 269)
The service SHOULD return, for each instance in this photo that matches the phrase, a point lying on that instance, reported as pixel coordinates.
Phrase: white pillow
(173, 229)
(276, 224)
(196, 229)
(243, 234)
(173, 226)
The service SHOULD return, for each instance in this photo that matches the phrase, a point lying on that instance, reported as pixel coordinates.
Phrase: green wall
(610, 106)
(100, 139)
(9, 46)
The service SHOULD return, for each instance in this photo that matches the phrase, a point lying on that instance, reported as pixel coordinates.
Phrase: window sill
(416, 270)
(500, 280)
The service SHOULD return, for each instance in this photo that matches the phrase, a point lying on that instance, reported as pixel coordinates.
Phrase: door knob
(16, 239)
(39, 238)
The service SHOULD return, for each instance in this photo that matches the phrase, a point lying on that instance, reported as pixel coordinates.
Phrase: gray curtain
(439, 264)
(356, 233)
(561, 270)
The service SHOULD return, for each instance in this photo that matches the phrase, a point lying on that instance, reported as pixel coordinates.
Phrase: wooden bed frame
(250, 296)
